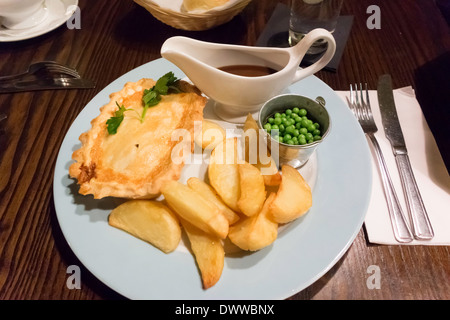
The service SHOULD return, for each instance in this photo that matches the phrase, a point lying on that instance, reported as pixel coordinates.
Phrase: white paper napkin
(429, 169)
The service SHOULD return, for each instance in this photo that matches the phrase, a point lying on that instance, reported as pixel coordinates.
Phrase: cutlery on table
(46, 84)
(363, 112)
(421, 225)
(42, 67)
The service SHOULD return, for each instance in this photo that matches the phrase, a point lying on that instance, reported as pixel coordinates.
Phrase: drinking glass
(306, 15)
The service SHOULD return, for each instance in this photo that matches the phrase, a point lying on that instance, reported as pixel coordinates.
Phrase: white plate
(58, 12)
(305, 250)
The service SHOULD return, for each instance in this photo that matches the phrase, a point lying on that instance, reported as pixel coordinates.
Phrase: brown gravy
(248, 70)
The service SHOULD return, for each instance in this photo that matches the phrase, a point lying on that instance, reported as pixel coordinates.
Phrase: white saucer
(58, 12)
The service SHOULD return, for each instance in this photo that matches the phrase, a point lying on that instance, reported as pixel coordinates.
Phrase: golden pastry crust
(136, 161)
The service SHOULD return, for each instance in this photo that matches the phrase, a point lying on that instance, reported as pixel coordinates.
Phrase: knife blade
(421, 225)
(46, 84)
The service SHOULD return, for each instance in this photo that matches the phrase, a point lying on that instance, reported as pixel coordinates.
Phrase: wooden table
(412, 45)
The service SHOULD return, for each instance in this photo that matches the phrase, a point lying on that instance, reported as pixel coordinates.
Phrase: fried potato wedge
(294, 196)
(253, 153)
(255, 232)
(150, 221)
(189, 205)
(212, 134)
(208, 252)
(253, 190)
(224, 174)
(208, 192)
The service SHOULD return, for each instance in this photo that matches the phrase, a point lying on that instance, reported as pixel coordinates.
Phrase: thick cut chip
(138, 159)
(189, 205)
(255, 149)
(255, 232)
(209, 253)
(253, 190)
(212, 134)
(294, 197)
(150, 221)
(223, 172)
(208, 193)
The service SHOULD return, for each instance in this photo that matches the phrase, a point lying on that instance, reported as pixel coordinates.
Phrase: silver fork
(46, 84)
(363, 112)
(43, 66)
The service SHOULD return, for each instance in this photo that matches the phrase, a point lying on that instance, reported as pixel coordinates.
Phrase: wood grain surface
(412, 45)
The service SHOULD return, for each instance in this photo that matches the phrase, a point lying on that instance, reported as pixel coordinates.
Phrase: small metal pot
(294, 155)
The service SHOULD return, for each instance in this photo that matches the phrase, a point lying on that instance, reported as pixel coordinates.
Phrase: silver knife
(46, 84)
(422, 229)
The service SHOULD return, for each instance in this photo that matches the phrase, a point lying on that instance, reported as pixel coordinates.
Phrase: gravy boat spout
(235, 95)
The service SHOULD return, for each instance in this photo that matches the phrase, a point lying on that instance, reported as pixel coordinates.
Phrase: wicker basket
(190, 21)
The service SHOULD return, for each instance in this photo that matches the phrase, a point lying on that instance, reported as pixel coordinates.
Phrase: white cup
(22, 14)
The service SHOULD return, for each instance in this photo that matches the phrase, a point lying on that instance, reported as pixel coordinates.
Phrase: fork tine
(366, 103)
(367, 96)
(53, 66)
(357, 104)
(362, 104)
(369, 108)
(351, 102)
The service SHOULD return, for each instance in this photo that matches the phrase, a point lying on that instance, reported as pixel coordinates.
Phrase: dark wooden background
(412, 45)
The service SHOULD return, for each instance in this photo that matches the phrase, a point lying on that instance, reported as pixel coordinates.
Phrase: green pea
(305, 123)
(317, 125)
(303, 112)
(271, 120)
(317, 137)
(275, 127)
(288, 112)
(282, 128)
(316, 132)
(301, 140)
(295, 110)
(286, 122)
(287, 137)
(290, 142)
(298, 125)
(296, 133)
(311, 127)
(303, 130)
(290, 129)
(295, 140)
(268, 126)
(277, 120)
(309, 136)
(277, 115)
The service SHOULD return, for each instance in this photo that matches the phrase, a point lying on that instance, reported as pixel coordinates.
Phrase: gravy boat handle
(299, 50)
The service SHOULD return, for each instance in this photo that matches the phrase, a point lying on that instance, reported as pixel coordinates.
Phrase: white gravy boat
(236, 96)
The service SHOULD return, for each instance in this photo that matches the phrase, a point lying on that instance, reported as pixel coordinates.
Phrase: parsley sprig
(165, 85)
